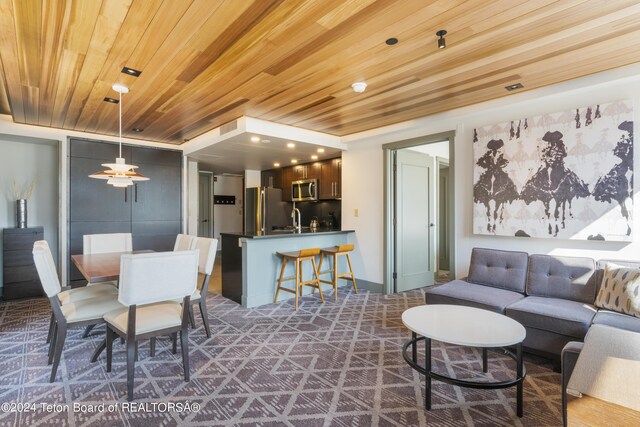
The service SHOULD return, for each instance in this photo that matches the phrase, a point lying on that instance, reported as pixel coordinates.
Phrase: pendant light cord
(120, 124)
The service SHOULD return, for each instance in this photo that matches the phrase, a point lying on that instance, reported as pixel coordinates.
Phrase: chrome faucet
(296, 224)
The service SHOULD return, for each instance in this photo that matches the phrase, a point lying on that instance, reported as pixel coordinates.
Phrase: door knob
(205, 220)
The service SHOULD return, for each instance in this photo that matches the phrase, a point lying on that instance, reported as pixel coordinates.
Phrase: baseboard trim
(376, 288)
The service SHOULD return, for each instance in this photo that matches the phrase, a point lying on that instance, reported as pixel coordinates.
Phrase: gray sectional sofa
(551, 296)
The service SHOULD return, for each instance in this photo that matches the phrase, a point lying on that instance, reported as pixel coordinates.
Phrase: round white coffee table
(466, 326)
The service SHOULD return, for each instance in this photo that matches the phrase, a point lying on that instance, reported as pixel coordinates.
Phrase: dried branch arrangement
(21, 193)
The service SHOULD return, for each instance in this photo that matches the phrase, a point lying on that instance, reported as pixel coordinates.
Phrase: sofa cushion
(499, 269)
(601, 264)
(617, 320)
(620, 290)
(459, 292)
(564, 317)
(571, 278)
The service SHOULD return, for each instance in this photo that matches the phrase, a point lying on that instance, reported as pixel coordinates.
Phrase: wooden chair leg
(152, 347)
(353, 277)
(184, 345)
(297, 283)
(205, 316)
(334, 276)
(52, 345)
(320, 268)
(174, 338)
(317, 276)
(131, 350)
(60, 337)
(88, 330)
(50, 333)
(192, 319)
(110, 335)
(284, 264)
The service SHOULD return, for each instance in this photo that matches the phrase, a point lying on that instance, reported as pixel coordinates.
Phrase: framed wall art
(565, 175)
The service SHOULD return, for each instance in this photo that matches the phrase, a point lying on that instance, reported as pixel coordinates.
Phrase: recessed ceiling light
(276, 165)
(111, 100)
(255, 139)
(131, 72)
(137, 129)
(294, 161)
(265, 141)
(514, 87)
(359, 87)
(320, 150)
(391, 41)
(314, 157)
(291, 145)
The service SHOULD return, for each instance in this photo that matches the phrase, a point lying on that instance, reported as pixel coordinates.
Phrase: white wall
(192, 197)
(252, 178)
(24, 159)
(227, 218)
(363, 168)
(436, 149)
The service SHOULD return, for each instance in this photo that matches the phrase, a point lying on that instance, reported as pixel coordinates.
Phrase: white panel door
(415, 215)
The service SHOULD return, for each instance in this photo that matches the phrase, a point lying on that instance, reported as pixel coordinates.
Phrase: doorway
(419, 208)
(205, 204)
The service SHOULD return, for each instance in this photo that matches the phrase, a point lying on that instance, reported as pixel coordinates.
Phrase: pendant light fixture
(120, 174)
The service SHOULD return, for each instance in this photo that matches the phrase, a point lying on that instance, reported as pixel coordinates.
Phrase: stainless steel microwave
(304, 190)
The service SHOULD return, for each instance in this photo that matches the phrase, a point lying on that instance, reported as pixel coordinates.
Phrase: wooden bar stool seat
(335, 252)
(298, 257)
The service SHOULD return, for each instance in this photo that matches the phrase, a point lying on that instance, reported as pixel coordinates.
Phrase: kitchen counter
(288, 233)
(250, 266)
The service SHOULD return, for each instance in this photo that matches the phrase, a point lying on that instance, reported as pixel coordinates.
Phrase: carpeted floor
(337, 364)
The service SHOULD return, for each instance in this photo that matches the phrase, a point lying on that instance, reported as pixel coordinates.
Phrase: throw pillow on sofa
(620, 290)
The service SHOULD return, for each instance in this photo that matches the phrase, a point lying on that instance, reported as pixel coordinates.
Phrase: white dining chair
(207, 248)
(76, 294)
(106, 243)
(149, 285)
(183, 242)
(83, 312)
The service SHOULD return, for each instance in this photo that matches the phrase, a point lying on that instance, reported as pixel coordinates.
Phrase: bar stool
(299, 257)
(334, 252)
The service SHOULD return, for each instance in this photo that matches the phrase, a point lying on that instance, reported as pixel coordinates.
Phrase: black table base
(429, 374)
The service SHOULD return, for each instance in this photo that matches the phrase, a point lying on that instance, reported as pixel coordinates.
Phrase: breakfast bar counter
(250, 266)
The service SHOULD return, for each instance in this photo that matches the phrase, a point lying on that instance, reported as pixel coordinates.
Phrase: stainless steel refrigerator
(264, 209)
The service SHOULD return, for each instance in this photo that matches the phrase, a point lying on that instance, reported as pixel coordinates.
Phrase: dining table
(104, 267)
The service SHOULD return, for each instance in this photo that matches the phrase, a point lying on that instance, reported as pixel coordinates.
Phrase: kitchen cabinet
(330, 181)
(307, 171)
(272, 178)
(150, 210)
(287, 179)
(328, 173)
(21, 278)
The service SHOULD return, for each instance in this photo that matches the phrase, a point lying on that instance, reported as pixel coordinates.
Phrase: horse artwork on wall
(566, 175)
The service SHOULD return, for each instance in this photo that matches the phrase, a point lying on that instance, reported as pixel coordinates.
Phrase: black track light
(441, 43)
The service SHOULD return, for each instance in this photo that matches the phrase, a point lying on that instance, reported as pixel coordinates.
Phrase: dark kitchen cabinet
(150, 210)
(272, 178)
(20, 277)
(330, 182)
(327, 172)
(307, 171)
(287, 179)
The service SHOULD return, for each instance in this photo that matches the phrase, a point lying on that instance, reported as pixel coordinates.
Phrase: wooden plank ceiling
(206, 62)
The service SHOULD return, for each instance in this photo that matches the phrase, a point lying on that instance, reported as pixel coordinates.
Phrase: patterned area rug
(332, 364)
